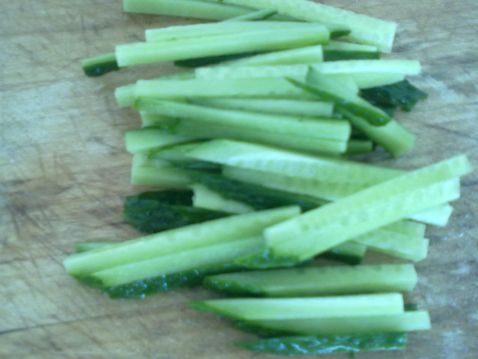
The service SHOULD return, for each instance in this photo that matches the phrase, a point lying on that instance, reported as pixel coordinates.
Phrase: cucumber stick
(414, 248)
(396, 323)
(197, 9)
(272, 106)
(303, 55)
(177, 240)
(206, 198)
(320, 128)
(365, 73)
(314, 345)
(148, 139)
(254, 15)
(288, 163)
(302, 308)
(318, 135)
(326, 190)
(99, 65)
(379, 205)
(195, 31)
(339, 50)
(194, 259)
(202, 88)
(147, 53)
(326, 89)
(160, 173)
(364, 29)
(314, 281)
(395, 138)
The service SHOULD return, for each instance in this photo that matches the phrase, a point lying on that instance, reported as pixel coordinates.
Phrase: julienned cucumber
(185, 8)
(376, 206)
(313, 281)
(321, 135)
(303, 55)
(254, 15)
(320, 128)
(146, 53)
(328, 90)
(177, 240)
(202, 88)
(367, 74)
(147, 139)
(302, 308)
(364, 29)
(204, 258)
(289, 163)
(366, 324)
(100, 65)
(313, 345)
(338, 50)
(272, 106)
(195, 31)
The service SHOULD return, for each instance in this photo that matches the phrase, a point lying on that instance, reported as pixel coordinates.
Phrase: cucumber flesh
(198, 258)
(408, 247)
(254, 15)
(185, 8)
(314, 281)
(396, 323)
(236, 43)
(288, 163)
(364, 29)
(379, 205)
(366, 74)
(302, 308)
(355, 147)
(327, 90)
(273, 106)
(157, 173)
(207, 88)
(148, 139)
(205, 198)
(438, 216)
(195, 31)
(177, 240)
(393, 137)
(303, 55)
(348, 252)
(314, 345)
(329, 129)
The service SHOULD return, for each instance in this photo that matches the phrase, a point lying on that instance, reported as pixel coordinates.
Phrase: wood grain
(64, 172)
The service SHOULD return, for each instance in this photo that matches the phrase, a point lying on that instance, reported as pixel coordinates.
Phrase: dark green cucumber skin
(141, 288)
(100, 69)
(402, 95)
(153, 212)
(373, 118)
(258, 197)
(335, 55)
(313, 345)
(210, 60)
(348, 259)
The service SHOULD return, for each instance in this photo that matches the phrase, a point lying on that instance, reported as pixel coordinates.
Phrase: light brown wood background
(64, 173)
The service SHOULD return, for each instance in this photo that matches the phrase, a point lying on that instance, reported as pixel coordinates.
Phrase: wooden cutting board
(64, 173)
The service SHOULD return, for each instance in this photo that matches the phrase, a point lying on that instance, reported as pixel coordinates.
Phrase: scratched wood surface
(64, 173)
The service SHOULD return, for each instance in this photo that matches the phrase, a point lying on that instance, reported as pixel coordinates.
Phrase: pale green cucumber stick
(364, 29)
(312, 281)
(384, 203)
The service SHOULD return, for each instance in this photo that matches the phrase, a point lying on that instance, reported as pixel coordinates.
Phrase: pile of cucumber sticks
(248, 144)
